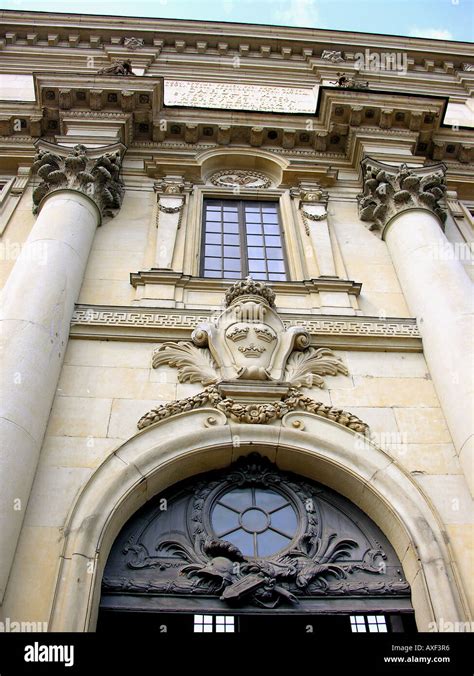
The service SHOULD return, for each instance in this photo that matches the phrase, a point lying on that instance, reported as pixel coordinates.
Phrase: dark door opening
(216, 623)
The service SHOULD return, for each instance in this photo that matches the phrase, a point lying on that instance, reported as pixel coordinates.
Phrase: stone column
(77, 187)
(171, 198)
(404, 205)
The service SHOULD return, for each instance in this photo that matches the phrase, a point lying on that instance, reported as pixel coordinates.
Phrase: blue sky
(441, 19)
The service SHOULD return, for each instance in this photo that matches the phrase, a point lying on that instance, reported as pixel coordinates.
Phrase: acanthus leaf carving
(76, 169)
(307, 368)
(388, 190)
(194, 364)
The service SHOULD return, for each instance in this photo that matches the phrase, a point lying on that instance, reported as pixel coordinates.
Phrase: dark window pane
(231, 239)
(256, 252)
(276, 266)
(232, 264)
(270, 542)
(274, 254)
(252, 218)
(257, 266)
(254, 240)
(269, 499)
(223, 519)
(254, 520)
(231, 228)
(213, 216)
(213, 227)
(284, 520)
(212, 264)
(254, 229)
(212, 238)
(232, 251)
(212, 250)
(271, 229)
(239, 498)
(242, 540)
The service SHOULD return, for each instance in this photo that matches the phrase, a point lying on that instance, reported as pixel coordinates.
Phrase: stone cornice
(133, 107)
(110, 26)
(177, 279)
(144, 324)
(389, 190)
(93, 173)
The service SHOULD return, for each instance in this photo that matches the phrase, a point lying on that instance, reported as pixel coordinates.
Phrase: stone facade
(108, 321)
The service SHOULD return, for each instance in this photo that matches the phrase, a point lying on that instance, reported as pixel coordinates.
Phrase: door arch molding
(306, 444)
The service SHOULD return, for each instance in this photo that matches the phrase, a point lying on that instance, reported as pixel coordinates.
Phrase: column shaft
(440, 295)
(37, 304)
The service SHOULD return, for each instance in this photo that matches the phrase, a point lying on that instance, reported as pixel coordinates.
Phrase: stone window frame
(243, 245)
(290, 232)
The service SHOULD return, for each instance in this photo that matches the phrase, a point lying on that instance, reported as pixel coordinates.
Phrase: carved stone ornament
(248, 343)
(133, 43)
(121, 67)
(388, 190)
(240, 178)
(332, 55)
(347, 82)
(252, 535)
(468, 67)
(98, 176)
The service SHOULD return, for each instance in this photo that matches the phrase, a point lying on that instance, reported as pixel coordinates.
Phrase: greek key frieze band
(91, 321)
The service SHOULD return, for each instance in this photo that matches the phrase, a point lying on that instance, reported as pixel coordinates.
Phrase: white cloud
(433, 33)
(302, 13)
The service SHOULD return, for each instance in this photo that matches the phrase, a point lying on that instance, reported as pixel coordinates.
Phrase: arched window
(230, 548)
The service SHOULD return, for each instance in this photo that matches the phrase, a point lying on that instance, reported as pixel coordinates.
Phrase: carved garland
(256, 414)
(169, 210)
(312, 217)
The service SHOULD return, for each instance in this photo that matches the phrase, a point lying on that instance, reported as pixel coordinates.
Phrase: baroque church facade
(236, 327)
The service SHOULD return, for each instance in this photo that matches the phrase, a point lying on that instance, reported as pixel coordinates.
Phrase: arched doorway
(248, 547)
(188, 444)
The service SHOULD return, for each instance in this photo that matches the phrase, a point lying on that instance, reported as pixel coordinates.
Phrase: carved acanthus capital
(96, 173)
(388, 190)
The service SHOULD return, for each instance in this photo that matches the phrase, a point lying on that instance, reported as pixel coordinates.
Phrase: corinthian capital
(94, 172)
(388, 190)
